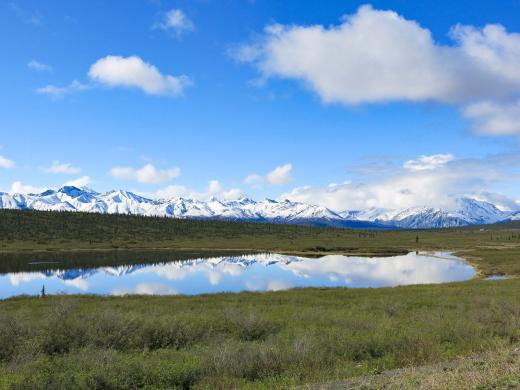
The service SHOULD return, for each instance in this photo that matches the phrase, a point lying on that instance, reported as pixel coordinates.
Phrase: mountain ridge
(69, 198)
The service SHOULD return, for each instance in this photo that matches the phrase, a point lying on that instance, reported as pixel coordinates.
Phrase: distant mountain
(244, 261)
(468, 211)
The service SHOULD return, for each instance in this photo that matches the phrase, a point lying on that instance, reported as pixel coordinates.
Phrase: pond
(495, 277)
(251, 272)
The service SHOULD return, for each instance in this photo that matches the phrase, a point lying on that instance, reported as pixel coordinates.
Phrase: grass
(256, 340)
(499, 369)
(493, 249)
(431, 336)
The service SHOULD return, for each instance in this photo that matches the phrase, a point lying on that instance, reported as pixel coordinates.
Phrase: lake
(250, 272)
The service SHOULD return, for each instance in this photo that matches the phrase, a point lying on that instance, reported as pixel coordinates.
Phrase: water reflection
(495, 277)
(259, 272)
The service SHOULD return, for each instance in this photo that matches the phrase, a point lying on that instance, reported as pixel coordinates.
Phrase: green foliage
(266, 340)
(55, 230)
(493, 249)
(248, 340)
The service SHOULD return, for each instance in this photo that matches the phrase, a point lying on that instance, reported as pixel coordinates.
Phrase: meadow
(458, 335)
(255, 340)
(493, 249)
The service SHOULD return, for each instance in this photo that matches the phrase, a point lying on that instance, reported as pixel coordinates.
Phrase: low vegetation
(257, 340)
(493, 249)
(453, 335)
(497, 369)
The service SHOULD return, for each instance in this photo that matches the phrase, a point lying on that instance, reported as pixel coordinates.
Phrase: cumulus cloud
(214, 189)
(495, 118)
(129, 72)
(78, 283)
(437, 186)
(19, 188)
(279, 175)
(62, 168)
(56, 92)
(39, 66)
(495, 51)
(377, 56)
(148, 174)
(6, 163)
(175, 21)
(428, 163)
(79, 182)
(133, 72)
(147, 289)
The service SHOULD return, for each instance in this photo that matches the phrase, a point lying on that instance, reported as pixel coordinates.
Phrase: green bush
(267, 340)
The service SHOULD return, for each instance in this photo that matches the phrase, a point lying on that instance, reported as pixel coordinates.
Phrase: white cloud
(56, 92)
(130, 72)
(173, 191)
(403, 188)
(24, 277)
(62, 168)
(428, 163)
(495, 118)
(176, 21)
(147, 289)
(355, 272)
(79, 182)
(19, 188)
(377, 56)
(254, 180)
(245, 53)
(501, 201)
(6, 163)
(495, 51)
(147, 174)
(133, 72)
(78, 283)
(214, 189)
(214, 186)
(172, 271)
(39, 66)
(217, 190)
(278, 285)
(279, 175)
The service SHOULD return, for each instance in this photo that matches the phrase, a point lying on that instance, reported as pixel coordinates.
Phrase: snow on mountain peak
(70, 198)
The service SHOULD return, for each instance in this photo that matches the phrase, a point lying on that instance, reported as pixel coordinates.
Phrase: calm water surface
(258, 272)
(495, 277)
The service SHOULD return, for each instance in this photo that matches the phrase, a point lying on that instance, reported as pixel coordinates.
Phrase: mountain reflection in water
(257, 272)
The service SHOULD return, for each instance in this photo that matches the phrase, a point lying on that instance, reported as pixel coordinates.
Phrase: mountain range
(468, 211)
(210, 263)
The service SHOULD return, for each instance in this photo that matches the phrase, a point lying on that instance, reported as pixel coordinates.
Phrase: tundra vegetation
(452, 335)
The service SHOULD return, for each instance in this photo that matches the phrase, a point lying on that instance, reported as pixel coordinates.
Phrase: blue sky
(200, 98)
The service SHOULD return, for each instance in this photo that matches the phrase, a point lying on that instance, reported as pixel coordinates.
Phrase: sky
(346, 104)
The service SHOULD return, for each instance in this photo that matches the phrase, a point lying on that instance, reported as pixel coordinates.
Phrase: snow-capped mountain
(210, 263)
(467, 212)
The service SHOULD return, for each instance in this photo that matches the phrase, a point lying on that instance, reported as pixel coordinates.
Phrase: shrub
(250, 326)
